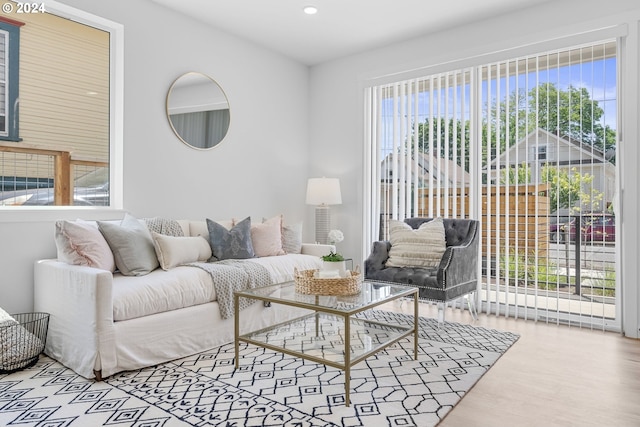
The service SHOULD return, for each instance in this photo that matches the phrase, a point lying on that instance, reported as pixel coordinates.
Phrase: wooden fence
(514, 217)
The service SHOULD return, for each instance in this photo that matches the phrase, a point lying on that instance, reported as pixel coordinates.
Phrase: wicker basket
(21, 343)
(307, 283)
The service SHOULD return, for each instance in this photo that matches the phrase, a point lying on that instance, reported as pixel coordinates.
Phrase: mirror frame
(175, 131)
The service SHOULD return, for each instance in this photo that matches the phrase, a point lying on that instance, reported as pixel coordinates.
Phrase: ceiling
(341, 27)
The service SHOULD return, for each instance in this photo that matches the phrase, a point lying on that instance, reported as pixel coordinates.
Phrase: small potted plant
(334, 261)
(333, 257)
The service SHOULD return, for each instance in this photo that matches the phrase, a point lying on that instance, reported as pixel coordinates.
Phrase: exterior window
(542, 152)
(55, 137)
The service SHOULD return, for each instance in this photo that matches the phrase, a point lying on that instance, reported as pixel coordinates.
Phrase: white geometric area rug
(389, 388)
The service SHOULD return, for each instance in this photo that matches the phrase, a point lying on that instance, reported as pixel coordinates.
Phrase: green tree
(517, 174)
(443, 134)
(570, 113)
(571, 190)
(508, 121)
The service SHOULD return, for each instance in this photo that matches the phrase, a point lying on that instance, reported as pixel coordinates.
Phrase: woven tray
(306, 283)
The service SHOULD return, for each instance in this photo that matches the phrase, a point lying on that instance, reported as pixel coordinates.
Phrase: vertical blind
(542, 131)
(421, 141)
(202, 129)
(4, 50)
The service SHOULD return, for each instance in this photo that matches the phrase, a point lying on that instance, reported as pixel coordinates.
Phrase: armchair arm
(378, 257)
(459, 263)
(79, 301)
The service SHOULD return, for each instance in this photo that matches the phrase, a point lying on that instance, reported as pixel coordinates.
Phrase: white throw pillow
(422, 247)
(173, 251)
(81, 243)
(267, 237)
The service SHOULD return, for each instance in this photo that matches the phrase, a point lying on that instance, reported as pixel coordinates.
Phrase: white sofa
(102, 323)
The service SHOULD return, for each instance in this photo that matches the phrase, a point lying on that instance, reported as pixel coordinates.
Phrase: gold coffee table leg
(347, 359)
(317, 318)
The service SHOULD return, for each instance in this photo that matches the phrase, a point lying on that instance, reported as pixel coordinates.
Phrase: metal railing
(43, 168)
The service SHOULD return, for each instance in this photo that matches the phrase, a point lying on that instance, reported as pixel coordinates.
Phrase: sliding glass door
(528, 147)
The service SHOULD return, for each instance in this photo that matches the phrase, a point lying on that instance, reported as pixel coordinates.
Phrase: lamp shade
(323, 191)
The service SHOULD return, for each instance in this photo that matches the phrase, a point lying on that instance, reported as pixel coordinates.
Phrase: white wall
(336, 109)
(288, 124)
(260, 169)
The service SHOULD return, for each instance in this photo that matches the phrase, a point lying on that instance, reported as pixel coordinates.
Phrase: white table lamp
(323, 192)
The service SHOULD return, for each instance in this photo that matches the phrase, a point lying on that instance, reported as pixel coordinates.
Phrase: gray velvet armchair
(455, 276)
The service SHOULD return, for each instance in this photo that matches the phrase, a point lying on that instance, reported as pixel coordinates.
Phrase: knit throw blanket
(234, 275)
(166, 226)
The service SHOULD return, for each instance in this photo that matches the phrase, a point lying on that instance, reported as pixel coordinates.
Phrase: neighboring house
(540, 148)
(431, 171)
(64, 82)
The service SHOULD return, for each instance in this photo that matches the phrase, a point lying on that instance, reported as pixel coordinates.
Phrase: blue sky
(497, 82)
(598, 77)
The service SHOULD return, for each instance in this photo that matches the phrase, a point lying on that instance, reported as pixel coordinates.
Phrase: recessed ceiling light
(310, 10)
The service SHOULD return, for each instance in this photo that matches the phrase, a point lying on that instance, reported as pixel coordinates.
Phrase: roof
(431, 168)
(577, 150)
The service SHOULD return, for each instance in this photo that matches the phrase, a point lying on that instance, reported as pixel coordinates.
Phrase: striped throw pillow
(422, 247)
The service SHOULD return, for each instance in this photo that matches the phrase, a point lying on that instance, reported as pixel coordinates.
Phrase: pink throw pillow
(267, 237)
(81, 243)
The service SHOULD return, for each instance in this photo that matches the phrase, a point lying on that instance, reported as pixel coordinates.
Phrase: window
(63, 126)
(542, 152)
(9, 78)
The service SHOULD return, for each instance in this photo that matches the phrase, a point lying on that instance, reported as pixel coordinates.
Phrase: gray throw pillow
(292, 238)
(231, 244)
(132, 246)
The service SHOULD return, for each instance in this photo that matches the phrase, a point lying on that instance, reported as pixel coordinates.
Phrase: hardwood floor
(552, 376)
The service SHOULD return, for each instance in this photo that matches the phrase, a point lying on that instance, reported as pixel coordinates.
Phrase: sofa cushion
(160, 291)
(131, 244)
(176, 250)
(422, 247)
(81, 243)
(266, 237)
(421, 276)
(185, 286)
(281, 268)
(231, 244)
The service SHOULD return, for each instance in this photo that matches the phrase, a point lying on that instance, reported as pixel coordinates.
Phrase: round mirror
(198, 110)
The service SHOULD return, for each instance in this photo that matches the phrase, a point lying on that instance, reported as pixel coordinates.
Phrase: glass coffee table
(331, 333)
